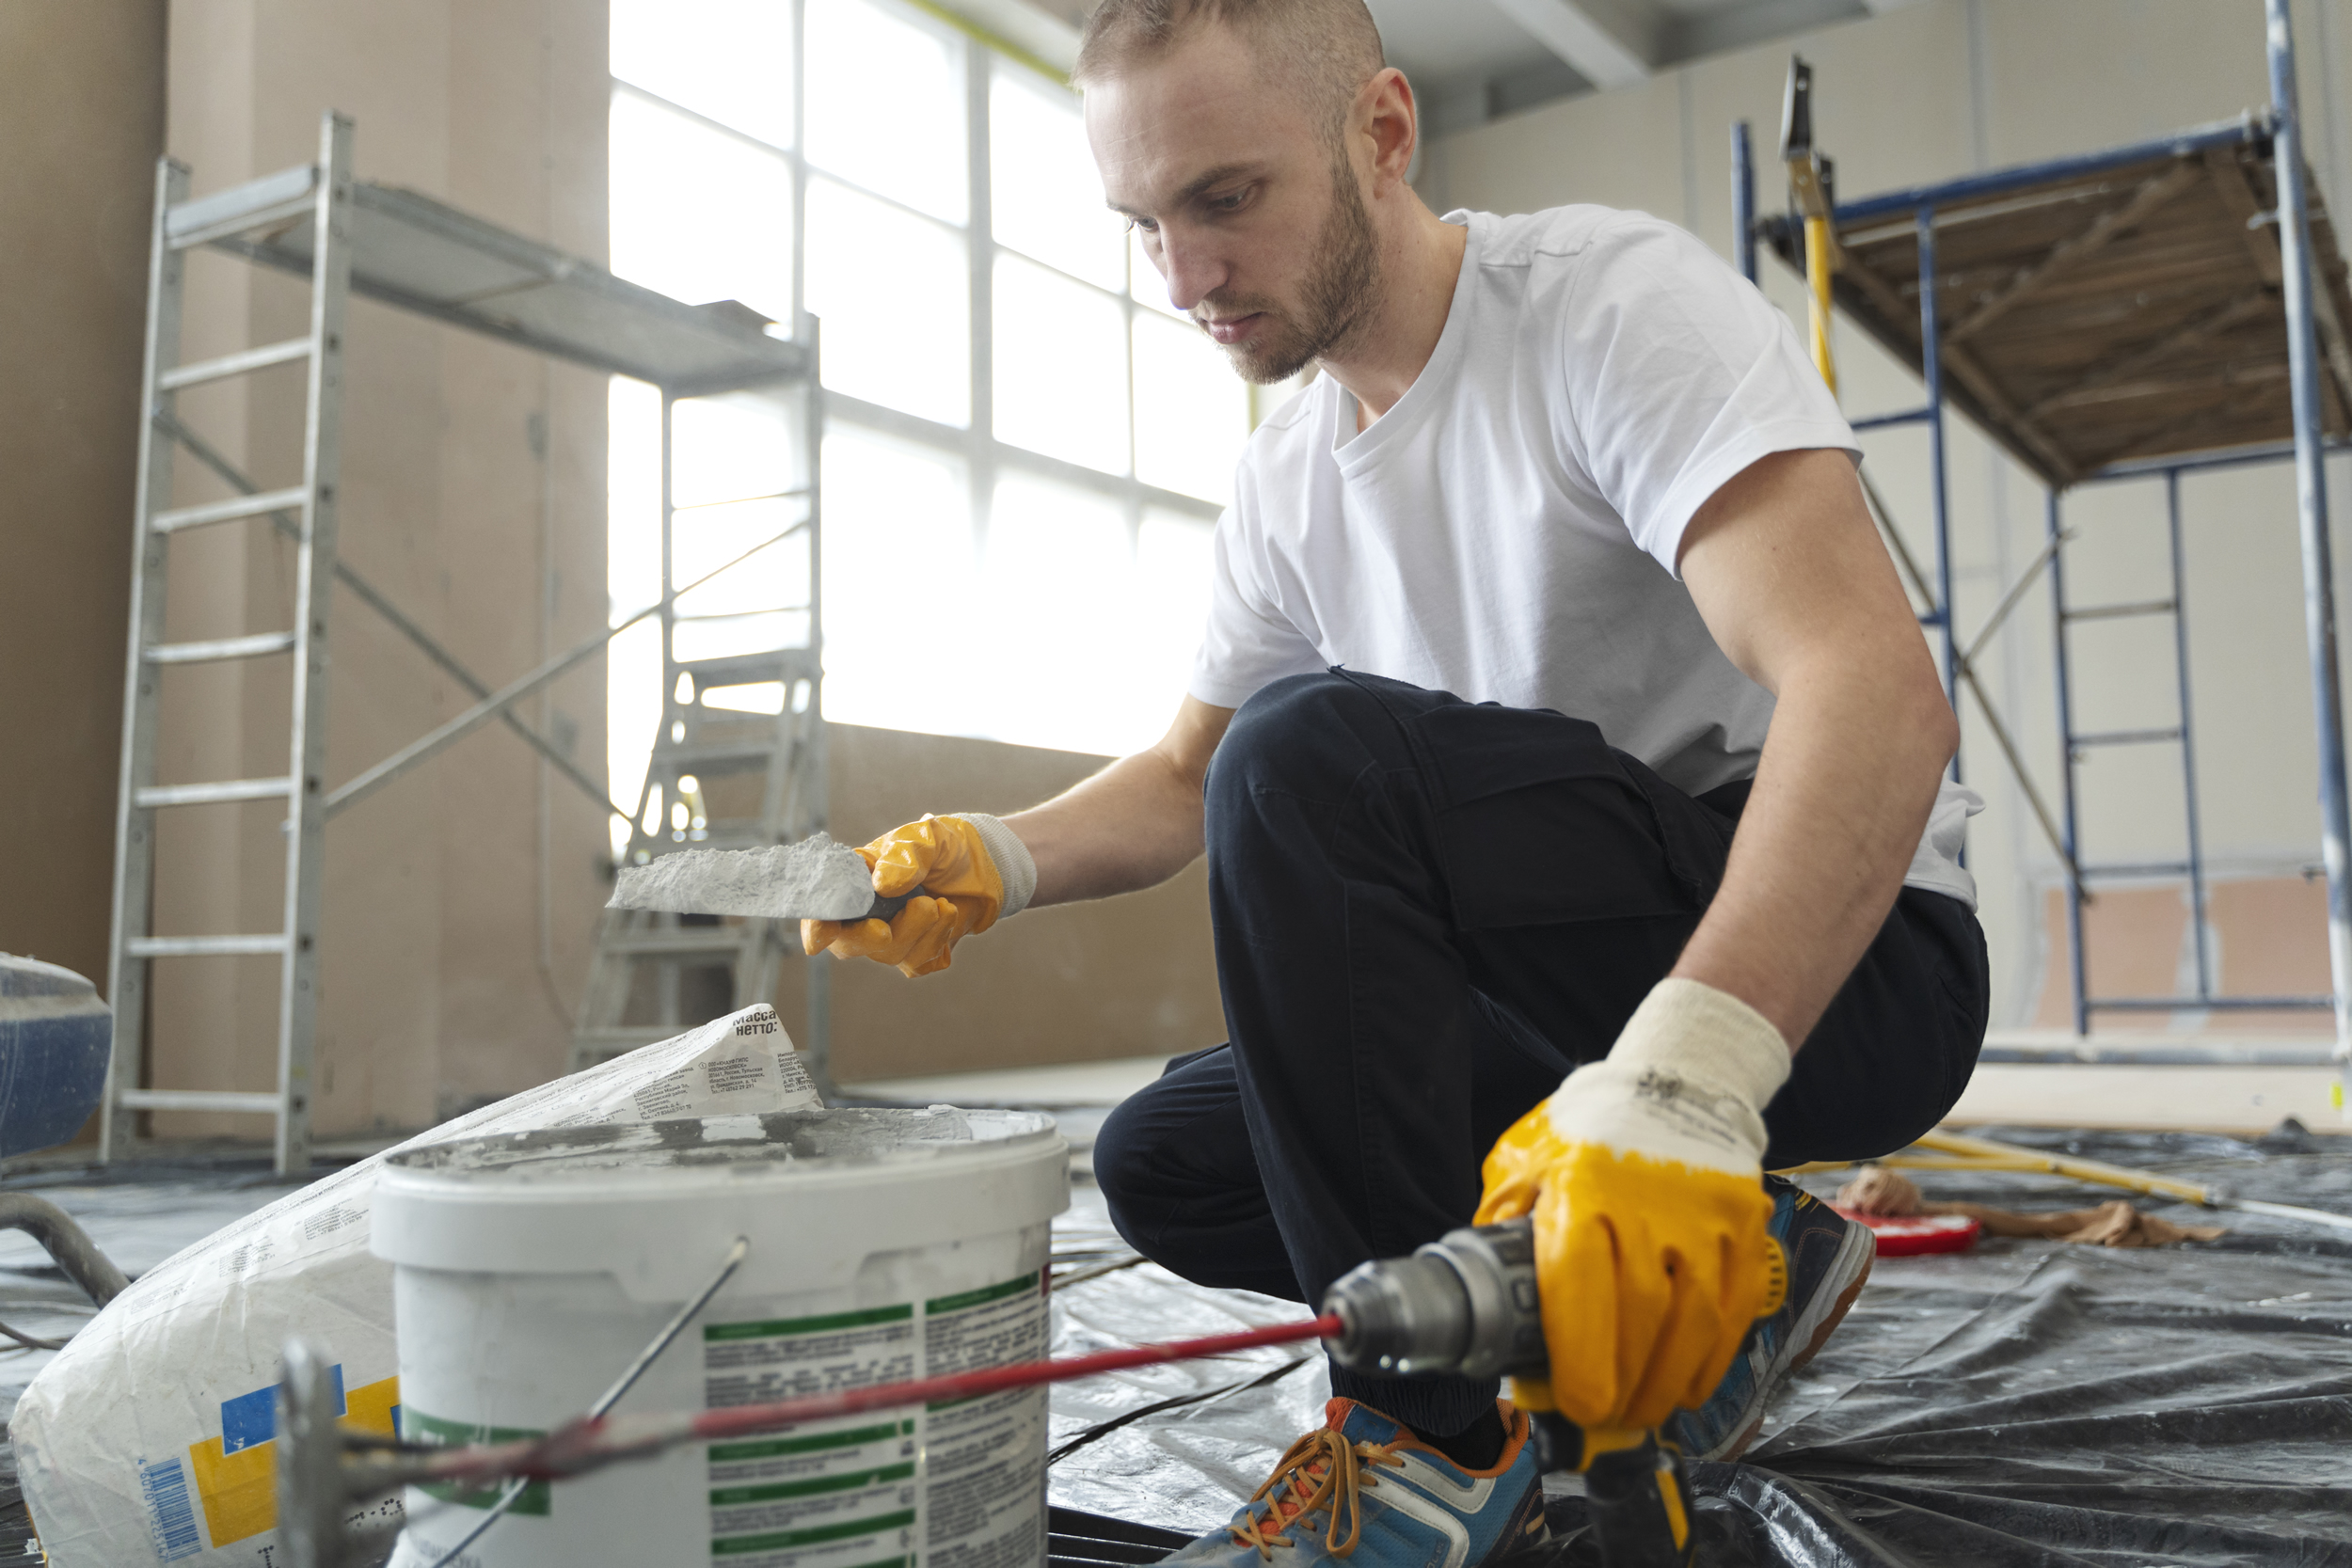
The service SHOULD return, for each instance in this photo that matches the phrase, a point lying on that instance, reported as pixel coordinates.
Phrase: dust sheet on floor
(2025, 1403)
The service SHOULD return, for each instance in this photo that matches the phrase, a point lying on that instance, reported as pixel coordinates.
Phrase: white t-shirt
(1507, 532)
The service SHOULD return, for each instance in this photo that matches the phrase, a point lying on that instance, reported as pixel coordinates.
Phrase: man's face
(1244, 204)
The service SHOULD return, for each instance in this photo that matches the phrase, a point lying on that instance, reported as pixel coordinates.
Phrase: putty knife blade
(813, 879)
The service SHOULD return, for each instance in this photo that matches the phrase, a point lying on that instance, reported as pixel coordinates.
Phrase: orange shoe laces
(1321, 1468)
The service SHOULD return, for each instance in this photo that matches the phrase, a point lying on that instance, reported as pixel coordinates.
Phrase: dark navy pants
(1426, 912)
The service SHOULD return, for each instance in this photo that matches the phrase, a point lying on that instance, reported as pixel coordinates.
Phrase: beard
(1338, 295)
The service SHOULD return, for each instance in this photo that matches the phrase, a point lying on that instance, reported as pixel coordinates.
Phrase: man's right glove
(972, 871)
(1644, 1173)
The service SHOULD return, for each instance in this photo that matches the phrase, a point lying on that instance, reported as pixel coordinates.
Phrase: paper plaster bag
(150, 1437)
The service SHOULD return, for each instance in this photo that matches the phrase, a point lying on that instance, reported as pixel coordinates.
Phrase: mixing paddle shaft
(1465, 1305)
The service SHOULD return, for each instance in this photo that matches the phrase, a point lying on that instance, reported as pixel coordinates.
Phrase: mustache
(1227, 306)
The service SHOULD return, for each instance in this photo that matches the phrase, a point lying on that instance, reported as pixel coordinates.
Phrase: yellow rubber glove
(1645, 1175)
(972, 871)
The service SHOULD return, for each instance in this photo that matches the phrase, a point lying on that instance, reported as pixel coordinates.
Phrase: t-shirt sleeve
(1248, 642)
(1680, 374)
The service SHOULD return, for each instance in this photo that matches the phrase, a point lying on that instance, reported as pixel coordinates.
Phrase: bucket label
(826, 1494)
(986, 1456)
(844, 1493)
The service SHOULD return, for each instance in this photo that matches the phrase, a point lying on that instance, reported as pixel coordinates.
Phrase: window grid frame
(975, 445)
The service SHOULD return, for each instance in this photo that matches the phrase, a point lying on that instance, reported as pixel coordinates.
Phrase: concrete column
(82, 116)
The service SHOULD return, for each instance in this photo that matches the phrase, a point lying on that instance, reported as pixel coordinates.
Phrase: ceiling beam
(1570, 29)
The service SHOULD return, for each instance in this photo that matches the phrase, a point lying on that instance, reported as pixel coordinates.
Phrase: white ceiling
(1438, 43)
(1451, 46)
(1471, 59)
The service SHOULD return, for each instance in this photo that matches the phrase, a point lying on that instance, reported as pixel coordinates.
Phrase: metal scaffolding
(2111, 316)
(348, 236)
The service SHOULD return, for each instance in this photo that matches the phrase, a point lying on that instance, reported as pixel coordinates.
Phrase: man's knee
(1124, 1155)
(1298, 734)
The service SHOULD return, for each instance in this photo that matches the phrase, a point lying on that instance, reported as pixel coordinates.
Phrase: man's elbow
(1937, 725)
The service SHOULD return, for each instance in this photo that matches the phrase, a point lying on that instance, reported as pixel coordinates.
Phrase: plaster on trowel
(816, 878)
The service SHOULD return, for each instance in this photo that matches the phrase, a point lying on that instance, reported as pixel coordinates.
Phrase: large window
(1025, 446)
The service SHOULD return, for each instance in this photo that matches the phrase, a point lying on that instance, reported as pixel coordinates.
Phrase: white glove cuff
(1690, 1029)
(1015, 864)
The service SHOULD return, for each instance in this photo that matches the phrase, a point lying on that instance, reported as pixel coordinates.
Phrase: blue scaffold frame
(2308, 450)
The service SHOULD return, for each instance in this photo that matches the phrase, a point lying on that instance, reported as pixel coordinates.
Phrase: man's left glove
(1645, 1175)
(972, 871)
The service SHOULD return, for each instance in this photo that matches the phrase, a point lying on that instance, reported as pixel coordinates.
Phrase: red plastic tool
(590, 1442)
(1903, 1235)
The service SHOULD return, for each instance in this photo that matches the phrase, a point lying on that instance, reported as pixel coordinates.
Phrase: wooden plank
(1997, 407)
(2205, 428)
(2173, 343)
(2072, 253)
(2262, 241)
(1963, 364)
(2262, 244)
(2107, 395)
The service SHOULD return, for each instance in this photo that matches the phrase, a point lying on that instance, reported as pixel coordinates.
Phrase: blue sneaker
(1829, 1257)
(1361, 1483)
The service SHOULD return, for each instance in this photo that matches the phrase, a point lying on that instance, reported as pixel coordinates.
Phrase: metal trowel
(813, 879)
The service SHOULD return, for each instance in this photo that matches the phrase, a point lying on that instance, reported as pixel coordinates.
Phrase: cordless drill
(1468, 1305)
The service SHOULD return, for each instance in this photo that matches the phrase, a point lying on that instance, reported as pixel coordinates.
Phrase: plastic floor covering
(2026, 1402)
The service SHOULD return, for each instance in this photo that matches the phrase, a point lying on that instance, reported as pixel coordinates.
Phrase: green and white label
(845, 1493)
(986, 1456)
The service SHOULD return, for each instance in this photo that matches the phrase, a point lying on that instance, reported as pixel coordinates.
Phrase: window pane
(1170, 608)
(731, 447)
(761, 601)
(697, 214)
(1062, 661)
(1061, 352)
(731, 456)
(730, 59)
(1192, 412)
(885, 104)
(1144, 282)
(895, 298)
(1045, 194)
(632, 692)
(895, 515)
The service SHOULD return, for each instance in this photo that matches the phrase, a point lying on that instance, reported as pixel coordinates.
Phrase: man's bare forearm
(1132, 826)
(1786, 566)
(1848, 777)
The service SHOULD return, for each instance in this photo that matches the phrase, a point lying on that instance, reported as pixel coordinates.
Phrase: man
(1558, 714)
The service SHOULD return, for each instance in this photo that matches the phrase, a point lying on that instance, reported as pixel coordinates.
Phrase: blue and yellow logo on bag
(236, 1472)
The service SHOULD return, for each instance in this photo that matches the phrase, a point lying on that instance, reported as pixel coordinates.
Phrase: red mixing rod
(591, 1443)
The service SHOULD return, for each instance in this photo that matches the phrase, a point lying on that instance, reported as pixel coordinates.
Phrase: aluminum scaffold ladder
(350, 236)
(721, 778)
(179, 226)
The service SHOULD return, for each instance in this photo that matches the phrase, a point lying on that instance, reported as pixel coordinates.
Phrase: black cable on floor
(1104, 1429)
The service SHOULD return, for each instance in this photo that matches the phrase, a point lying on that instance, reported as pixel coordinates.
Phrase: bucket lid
(657, 1204)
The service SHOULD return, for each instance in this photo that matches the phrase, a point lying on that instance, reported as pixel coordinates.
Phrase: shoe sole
(1810, 1332)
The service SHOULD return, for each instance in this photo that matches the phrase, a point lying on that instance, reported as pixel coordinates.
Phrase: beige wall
(472, 494)
(1935, 91)
(82, 118)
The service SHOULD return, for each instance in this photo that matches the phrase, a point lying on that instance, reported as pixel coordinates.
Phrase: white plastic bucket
(530, 1269)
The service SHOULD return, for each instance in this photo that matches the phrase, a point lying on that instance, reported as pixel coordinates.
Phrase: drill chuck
(1465, 1305)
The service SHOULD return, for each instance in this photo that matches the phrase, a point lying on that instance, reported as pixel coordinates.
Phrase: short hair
(1332, 45)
